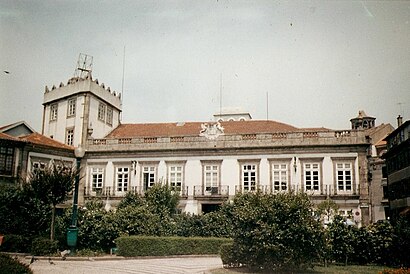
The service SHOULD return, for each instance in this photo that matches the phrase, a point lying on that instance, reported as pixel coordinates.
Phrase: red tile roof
(5, 136)
(38, 139)
(194, 128)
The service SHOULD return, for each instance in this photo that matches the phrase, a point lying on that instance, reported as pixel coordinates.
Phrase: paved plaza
(98, 266)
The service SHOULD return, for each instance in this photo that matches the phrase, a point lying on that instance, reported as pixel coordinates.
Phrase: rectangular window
(6, 160)
(101, 112)
(122, 178)
(38, 166)
(385, 192)
(53, 112)
(148, 176)
(70, 137)
(175, 177)
(109, 116)
(312, 176)
(344, 176)
(280, 177)
(71, 107)
(211, 175)
(97, 177)
(249, 177)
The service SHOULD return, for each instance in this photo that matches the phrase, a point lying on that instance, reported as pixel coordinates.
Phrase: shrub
(401, 242)
(165, 246)
(228, 256)
(9, 265)
(212, 224)
(15, 243)
(43, 246)
(273, 232)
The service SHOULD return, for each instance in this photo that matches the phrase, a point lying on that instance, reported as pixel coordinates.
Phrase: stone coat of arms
(211, 131)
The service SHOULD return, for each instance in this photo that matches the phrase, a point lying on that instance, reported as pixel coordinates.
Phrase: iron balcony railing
(215, 191)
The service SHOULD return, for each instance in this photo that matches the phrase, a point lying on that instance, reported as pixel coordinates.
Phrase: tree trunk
(53, 216)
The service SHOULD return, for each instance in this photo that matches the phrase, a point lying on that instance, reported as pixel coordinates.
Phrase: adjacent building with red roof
(22, 150)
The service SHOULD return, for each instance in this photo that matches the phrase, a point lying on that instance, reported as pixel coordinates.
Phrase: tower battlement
(78, 85)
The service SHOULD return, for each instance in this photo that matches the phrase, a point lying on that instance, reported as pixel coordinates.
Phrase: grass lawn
(333, 269)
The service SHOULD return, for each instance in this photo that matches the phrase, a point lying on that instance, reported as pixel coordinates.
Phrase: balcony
(211, 192)
(108, 192)
(261, 189)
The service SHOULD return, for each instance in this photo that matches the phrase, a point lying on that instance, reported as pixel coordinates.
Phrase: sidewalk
(116, 264)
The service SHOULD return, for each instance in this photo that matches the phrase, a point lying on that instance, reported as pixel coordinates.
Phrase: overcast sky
(320, 62)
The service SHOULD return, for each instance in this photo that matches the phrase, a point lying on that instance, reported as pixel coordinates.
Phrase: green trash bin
(72, 235)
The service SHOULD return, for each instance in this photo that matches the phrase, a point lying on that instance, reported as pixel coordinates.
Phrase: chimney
(399, 121)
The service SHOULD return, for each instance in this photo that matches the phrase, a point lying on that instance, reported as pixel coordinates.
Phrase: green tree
(162, 199)
(20, 214)
(275, 232)
(326, 210)
(341, 239)
(51, 186)
(131, 199)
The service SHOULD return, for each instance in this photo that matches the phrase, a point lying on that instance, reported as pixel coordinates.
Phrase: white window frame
(344, 177)
(53, 112)
(109, 116)
(96, 178)
(211, 177)
(176, 175)
(312, 176)
(280, 176)
(249, 177)
(149, 174)
(249, 181)
(101, 111)
(69, 136)
(343, 168)
(71, 107)
(122, 178)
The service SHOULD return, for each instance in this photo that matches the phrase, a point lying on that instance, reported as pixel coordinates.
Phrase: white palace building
(207, 162)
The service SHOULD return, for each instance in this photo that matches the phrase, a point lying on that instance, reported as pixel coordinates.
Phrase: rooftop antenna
(401, 107)
(84, 66)
(123, 71)
(267, 106)
(220, 94)
(122, 81)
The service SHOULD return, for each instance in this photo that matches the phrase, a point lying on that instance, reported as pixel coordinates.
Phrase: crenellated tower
(81, 109)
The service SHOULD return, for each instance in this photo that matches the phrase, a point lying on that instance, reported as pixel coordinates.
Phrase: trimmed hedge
(132, 246)
(43, 246)
(228, 256)
(8, 265)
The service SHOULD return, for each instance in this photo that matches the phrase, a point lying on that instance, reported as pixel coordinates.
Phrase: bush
(401, 243)
(166, 246)
(273, 232)
(228, 256)
(15, 243)
(9, 265)
(43, 246)
(212, 224)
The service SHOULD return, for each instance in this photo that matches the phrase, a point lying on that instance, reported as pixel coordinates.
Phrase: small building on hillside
(22, 150)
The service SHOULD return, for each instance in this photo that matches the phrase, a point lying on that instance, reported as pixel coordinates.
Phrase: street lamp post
(72, 231)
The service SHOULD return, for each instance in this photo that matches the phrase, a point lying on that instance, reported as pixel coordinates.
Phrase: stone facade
(209, 162)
